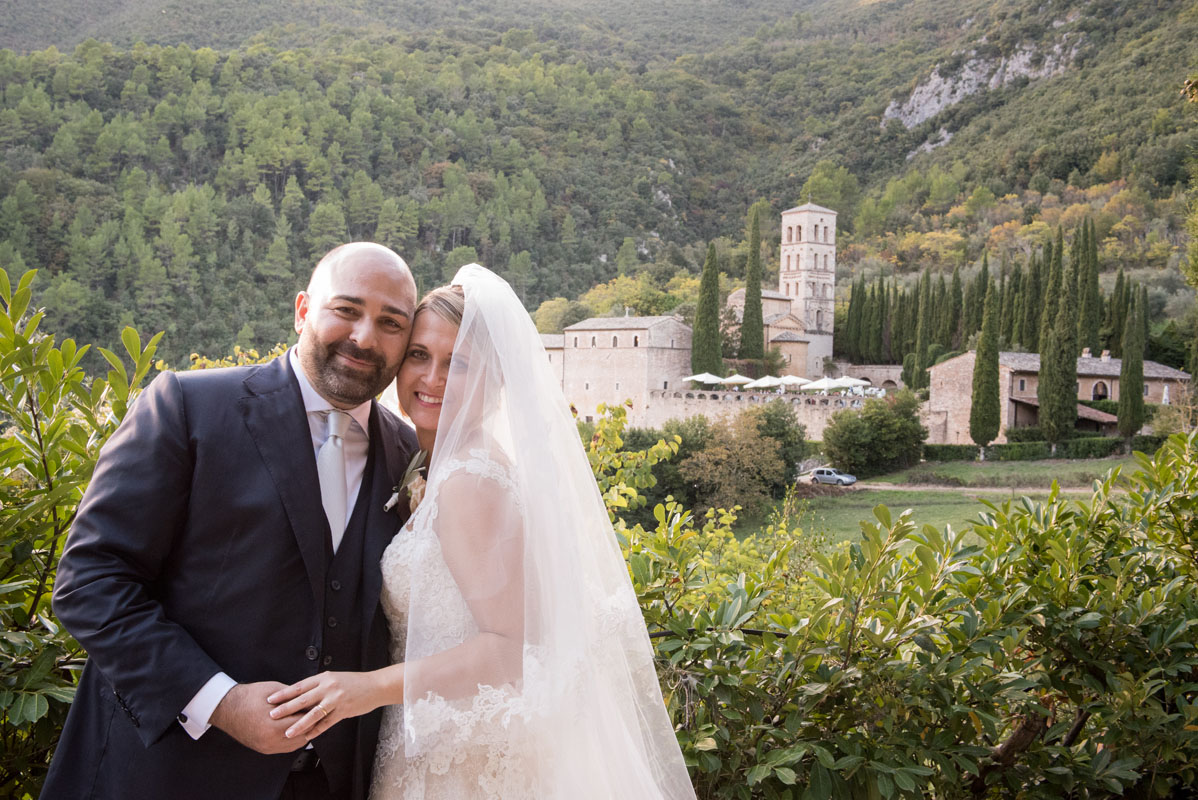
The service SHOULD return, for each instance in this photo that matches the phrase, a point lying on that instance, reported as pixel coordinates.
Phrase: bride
(522, 668)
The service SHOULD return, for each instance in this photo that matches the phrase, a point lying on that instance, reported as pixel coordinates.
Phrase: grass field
(839, 516)
(1007, 474)
(944, 493)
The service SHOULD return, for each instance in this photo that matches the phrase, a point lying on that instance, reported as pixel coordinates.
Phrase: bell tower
(807, 275)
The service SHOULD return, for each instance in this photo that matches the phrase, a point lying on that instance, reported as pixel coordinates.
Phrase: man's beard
(336, 381)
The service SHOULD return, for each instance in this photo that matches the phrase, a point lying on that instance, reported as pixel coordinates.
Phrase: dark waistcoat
(341, 630)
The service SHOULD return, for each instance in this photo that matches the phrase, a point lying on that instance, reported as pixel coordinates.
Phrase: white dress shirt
(196, 714)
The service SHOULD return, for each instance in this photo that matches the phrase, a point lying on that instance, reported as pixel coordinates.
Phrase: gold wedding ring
(324, 712)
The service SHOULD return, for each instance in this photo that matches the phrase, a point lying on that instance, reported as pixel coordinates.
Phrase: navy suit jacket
(199, 547)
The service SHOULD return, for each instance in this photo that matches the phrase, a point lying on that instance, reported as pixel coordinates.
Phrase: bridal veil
(558, 664)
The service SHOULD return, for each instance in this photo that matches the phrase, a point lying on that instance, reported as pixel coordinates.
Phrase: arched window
(1100, 391)
(799, 228)
(825, 234)
(814, 261)
(576, 341)
(825, 262)
(789, 234)
(615, 341)
(593, 342)
(819, 319)
(636, 341)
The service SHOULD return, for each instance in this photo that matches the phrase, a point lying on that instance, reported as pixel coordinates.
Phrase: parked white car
(833, 476)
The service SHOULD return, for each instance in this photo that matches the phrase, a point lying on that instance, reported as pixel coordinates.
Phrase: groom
(228, 545)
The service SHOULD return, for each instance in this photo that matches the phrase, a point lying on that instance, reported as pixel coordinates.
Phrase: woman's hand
(328, 698)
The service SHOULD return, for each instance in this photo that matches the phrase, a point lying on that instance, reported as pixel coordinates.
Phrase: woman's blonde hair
(447, 302)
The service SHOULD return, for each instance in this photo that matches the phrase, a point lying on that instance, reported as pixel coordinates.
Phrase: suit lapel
(275, 418)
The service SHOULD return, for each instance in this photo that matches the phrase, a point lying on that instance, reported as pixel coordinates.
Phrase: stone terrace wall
(813, 411)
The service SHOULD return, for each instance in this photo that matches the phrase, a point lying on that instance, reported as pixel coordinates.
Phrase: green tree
(752, 329)
(326, 228)
(923, 332)
(984, 410)
(737, 467)
(1131, 376)
(627, 259)
(1089, 298)
(883, 436)
(1056, 390)
(706, 351)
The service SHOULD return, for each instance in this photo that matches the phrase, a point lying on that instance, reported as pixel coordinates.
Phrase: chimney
(1106, 355)
(1085, 352)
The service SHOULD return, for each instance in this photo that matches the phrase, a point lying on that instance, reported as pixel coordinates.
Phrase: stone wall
(813, 412)
(876, 374)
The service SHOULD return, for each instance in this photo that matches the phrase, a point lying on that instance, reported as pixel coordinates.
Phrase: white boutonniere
(411, 484)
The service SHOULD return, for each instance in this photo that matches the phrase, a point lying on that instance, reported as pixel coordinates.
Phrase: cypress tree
(1007, 331)
(1145, 323)
(1029, 326)
(1052, 288)
(1057, 389)
(898, 326)
(1121, 304)
(752, 329)
(886, 323)
(1089, 299)
(706, 354)
(1131, 376)
(984, 414)
(940, 313)
(856, 314)
(877, 322)
(923, 332)
(956, 301)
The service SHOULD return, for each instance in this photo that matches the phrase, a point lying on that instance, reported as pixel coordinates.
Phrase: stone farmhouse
(644, 359)
(946, 414)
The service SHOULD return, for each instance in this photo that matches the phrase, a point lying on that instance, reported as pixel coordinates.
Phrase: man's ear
(302, 304)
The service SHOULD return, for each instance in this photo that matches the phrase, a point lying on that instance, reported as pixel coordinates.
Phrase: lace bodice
(476, 741)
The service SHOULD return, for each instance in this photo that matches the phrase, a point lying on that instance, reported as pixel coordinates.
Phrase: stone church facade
(642, 360)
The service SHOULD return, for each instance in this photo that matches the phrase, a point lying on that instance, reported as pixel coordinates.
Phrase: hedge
(950, 452)
(1019, 451)
(1091, 447)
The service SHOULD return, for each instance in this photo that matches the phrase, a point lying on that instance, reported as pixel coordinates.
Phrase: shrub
(950, 452)
(55, 422)
(1090, 447)
(883, 436)
(1147, 443)
(738, 467)
(1041, 654)
(1031, 433)
(1019, 451)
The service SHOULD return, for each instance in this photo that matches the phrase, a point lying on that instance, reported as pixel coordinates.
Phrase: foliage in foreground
(1048, 652)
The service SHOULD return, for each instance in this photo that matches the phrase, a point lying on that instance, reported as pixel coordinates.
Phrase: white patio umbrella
(735, 379)
(822, 385)
(704, 377)
(793, 380)
(768, 382)
(848, 381)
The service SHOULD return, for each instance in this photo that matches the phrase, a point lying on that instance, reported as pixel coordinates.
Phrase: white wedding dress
(528, 672)
(480, 750)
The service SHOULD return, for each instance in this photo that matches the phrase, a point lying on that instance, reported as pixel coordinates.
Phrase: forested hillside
(189, 189)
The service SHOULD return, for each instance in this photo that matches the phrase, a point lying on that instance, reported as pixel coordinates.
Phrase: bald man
(213, 560)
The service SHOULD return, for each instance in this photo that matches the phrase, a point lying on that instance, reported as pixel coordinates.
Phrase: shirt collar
(314, 403)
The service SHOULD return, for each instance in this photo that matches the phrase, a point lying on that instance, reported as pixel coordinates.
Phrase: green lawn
(1007, 474)
(953, 494)
(839, 516)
